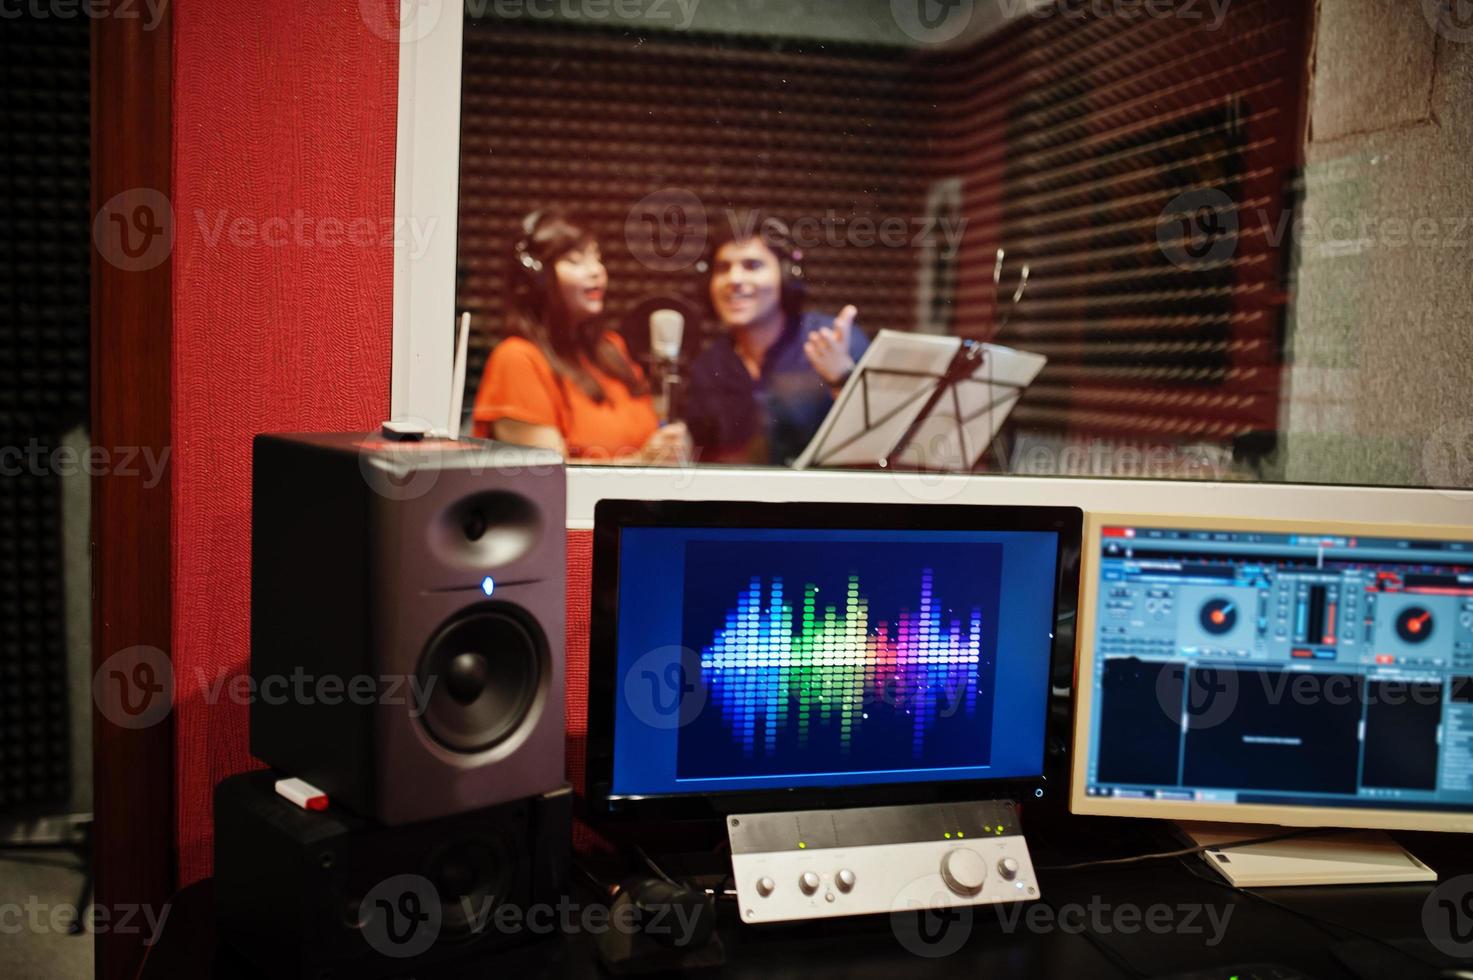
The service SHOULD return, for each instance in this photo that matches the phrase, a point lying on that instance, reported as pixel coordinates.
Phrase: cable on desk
(143, 963)
(1189, 851)
(151, 946)
(721, 892)
(1323, 924)
(650, 863)
(599, 885)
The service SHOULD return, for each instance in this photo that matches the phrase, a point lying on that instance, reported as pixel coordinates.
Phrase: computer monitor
(755, 657)
(1304, 674)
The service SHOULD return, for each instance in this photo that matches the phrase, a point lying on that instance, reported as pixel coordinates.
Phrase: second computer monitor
(1276, 672)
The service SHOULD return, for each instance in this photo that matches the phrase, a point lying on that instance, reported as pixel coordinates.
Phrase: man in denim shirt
(760, 391)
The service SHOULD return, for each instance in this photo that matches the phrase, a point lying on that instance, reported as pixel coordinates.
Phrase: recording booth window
(1131, 195)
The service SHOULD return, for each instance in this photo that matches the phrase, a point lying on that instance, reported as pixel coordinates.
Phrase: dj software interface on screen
(1282, 669)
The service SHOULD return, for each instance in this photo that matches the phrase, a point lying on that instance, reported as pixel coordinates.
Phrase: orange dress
(519, 384)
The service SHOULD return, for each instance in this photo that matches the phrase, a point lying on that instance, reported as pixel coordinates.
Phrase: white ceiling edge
(991, 16)
(837, 21)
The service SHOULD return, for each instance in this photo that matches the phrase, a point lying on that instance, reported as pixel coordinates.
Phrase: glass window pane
(1233, 238)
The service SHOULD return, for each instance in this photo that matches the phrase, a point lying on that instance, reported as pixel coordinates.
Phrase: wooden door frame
(133, 767)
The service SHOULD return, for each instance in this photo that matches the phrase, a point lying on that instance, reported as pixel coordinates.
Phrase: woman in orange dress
(561, 380)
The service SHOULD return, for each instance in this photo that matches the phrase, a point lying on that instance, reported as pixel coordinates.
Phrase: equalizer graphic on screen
(829, 661)
(841, 659)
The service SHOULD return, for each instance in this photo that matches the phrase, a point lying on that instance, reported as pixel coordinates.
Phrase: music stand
(922, 402)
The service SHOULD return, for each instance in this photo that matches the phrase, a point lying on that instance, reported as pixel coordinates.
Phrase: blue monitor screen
(762, 659)
(1282, 669)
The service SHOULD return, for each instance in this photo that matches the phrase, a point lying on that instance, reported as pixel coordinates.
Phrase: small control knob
(808, 883)
(765, 886)
(1008, 868)
(964, 871)
(845, 880)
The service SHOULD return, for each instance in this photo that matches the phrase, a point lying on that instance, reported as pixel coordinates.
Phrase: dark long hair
(535, 309)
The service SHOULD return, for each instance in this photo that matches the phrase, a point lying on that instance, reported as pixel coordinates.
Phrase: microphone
(667, 332)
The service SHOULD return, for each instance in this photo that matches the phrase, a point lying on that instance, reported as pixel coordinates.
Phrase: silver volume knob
(1008, 868)
(845, 880)
(964, 871)
(808, 883)
(765, 886)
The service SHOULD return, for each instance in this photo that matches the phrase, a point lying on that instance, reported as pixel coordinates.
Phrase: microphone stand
(669, 389)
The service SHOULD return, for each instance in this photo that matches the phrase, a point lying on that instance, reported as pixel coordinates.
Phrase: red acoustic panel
(284, 121)
(580, 608)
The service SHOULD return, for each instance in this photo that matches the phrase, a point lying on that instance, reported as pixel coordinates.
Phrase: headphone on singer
(778, 237)
(532, 266)
(771, 231)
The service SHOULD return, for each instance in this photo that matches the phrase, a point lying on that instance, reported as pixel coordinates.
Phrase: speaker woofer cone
(485, 666)
(473, 878)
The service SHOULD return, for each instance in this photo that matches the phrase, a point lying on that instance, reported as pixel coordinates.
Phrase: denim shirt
(769, 420)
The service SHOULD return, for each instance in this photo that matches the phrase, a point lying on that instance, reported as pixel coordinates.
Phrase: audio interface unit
(819, 864)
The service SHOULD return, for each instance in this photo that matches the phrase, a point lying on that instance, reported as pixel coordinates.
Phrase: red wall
(580, 611)
(284, 118)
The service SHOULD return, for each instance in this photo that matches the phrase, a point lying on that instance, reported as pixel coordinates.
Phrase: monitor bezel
(1286, 815)
(612, 516)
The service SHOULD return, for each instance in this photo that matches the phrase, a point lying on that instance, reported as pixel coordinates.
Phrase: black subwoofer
(331, 895)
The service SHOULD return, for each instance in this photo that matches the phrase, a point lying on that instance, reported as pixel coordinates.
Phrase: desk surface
(1125, 921)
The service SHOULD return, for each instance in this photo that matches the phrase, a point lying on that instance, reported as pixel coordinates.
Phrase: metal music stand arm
(969, 359)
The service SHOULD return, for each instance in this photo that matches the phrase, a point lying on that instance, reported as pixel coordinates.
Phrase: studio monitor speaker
(407, 616)
(332, 896)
